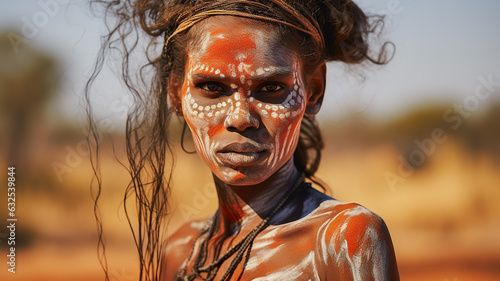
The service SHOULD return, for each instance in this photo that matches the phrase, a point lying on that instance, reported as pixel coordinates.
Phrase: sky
(443, 48)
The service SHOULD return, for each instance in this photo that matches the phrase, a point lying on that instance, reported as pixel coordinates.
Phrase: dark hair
(320, 30)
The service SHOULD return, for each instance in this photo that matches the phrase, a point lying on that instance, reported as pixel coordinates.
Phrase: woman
(248, 78)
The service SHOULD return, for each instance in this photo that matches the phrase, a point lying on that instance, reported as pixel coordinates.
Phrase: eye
(270, 88)
(211, 87)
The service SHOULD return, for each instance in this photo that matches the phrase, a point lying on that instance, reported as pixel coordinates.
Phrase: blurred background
(417, 141)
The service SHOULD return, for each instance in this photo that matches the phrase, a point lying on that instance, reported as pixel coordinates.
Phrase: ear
(316, 84)
(174, 95)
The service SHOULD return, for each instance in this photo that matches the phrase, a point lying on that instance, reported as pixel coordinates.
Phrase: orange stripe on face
(215, 130)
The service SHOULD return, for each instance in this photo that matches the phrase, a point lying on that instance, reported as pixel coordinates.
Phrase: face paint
(243, 107)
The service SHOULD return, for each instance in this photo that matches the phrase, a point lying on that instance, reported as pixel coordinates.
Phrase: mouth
(242, 154)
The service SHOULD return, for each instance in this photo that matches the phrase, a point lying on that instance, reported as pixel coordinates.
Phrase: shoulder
(177, 247)
(183, 237)
(350, 219)
(356, 243)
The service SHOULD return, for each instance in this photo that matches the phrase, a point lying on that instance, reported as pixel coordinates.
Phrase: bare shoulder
(354, 215)
(356, 244)
(178, 246)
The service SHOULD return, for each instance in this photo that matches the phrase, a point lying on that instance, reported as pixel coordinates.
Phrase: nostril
(240, 117)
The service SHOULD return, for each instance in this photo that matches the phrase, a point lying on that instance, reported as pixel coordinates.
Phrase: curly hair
(317, 30)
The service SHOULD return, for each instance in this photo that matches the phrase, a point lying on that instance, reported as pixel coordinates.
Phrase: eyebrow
(273, 72)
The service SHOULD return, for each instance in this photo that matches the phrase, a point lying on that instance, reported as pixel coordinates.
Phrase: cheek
(205, 121)
(287, 115)
(284, 122)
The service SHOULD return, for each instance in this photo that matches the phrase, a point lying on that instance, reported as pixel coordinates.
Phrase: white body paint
(312, 255)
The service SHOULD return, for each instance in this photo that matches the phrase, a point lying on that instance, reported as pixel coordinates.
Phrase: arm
(357, 246)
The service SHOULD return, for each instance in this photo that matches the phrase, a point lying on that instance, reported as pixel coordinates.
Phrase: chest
(278, 253)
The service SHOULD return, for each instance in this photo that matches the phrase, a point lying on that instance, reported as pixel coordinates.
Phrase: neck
(245, 205)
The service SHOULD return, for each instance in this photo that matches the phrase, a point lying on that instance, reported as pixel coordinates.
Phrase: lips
(242, 154)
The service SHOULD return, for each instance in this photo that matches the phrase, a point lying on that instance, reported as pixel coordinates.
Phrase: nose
(241, 116)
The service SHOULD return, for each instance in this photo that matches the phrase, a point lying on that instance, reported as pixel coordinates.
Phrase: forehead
(227, 39)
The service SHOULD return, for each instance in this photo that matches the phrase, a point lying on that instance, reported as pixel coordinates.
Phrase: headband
(206, 10)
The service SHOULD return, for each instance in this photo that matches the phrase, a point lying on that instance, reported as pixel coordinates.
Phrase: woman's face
(243, 98)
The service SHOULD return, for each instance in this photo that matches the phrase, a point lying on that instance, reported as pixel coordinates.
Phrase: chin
(240, 177)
